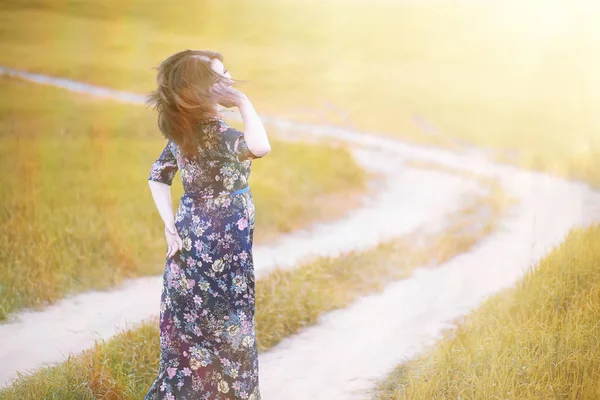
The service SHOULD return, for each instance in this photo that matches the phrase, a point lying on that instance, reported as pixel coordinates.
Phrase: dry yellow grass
(506, 75)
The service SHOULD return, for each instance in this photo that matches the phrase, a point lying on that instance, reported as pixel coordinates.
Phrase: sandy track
(406, 199)
(33, 338)
(341, 356)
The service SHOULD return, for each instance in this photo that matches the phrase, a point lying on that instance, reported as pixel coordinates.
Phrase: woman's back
(222, 165)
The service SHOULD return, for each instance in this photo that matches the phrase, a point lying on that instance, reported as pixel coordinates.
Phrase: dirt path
(413, 197)
(340, 357)
(410, 197)
(33, 338)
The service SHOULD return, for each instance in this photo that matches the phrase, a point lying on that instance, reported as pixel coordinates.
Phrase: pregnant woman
(207, 337)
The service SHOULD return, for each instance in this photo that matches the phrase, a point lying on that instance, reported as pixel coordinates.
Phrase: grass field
(124, 366)
(518, 76)
(76, 211)
(536, 340)
(507, 75)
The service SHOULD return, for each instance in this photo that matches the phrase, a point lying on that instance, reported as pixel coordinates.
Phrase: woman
(207, 336)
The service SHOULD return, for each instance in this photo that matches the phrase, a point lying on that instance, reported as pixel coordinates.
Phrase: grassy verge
(76, 211)
(124, 366)
(505, 75)
(537, 340)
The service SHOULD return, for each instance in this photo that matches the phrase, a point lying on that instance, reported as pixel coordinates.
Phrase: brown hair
(184, 96)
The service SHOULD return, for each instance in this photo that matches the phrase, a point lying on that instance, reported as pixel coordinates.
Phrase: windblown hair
(185, 96)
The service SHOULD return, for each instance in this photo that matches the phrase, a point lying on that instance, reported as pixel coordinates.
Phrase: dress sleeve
(164, 168)
(236, 144)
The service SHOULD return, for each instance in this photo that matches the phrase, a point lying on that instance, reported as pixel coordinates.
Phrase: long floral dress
(207, 336)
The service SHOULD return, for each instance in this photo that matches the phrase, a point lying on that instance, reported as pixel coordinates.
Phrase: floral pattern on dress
(207, 329)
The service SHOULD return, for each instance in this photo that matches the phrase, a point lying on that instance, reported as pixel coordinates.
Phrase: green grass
(536, 340)
(76, 211)
(507, 75)
(124, 366)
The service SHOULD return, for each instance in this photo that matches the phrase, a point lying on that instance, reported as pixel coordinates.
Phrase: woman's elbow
(262, 151)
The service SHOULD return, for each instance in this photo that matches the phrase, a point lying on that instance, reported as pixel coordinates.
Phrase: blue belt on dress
(247, 188)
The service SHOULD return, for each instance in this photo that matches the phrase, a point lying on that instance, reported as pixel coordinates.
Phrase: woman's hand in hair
(228, 97)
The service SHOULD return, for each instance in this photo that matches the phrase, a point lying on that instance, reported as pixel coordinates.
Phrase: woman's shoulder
(213, 125)
(225, 130)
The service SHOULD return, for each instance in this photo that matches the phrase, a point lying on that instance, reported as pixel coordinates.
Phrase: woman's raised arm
(254, 131)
